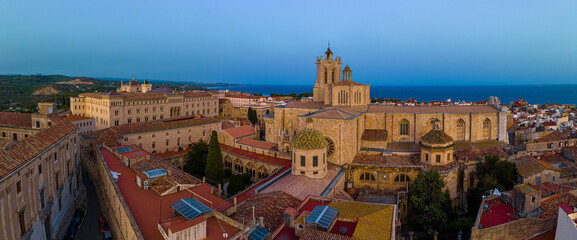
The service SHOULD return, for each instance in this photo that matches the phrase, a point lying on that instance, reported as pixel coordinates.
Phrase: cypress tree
(214, 168)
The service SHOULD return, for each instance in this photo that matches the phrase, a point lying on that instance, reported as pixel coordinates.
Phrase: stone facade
(40, 180)
(114, 109)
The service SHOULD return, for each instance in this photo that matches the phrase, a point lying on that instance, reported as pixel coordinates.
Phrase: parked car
(72, 227)
(102, 224)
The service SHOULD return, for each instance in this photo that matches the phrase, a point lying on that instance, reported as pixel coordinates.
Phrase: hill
(21, 92)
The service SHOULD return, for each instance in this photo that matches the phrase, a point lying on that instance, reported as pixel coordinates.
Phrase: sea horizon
(532, 93)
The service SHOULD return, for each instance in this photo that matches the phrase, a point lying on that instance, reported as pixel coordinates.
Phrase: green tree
(492, 173)
(252, 117)
(427, 202)
(214, 168)
(196, 158)
(235, 184)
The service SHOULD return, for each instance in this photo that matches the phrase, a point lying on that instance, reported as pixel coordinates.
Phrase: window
(550, 145)
(367, 176)
(19, 187)
(315, 173)
(404, 127)
(303, 160)
(438, 158)
(426, 157)
(15, 136)
(40, 169)
(116, 123)
(402, 178)
(448, 157)
(330, 146)
(487, 129)
(22, 222)
(533, 199)
(553, 180)
(315, 161)
(538, 180)
(472, 181)
(42, 199)
(38, 124)
(461, 130)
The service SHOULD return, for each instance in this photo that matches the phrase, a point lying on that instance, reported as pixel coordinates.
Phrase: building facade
(117, 108)
(342, 112)
(40, 179)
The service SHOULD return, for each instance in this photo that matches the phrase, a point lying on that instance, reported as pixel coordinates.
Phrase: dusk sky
(276, 42)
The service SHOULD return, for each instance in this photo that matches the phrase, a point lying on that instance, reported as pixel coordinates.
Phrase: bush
(227, 172)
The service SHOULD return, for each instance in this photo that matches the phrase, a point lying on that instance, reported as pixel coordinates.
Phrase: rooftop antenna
(329, 43)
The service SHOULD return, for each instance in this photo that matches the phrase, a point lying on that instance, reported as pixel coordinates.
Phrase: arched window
(487, 129)
(461, 130)
(333, 76)
(153, 144)
(402, 178)
(367, 176)
(326, 79)
(404, 130)
(448, 157)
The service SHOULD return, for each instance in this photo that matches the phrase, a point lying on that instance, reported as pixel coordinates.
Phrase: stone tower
(328, 72)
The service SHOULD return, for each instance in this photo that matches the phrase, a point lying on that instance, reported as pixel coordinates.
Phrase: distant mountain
(163, 82)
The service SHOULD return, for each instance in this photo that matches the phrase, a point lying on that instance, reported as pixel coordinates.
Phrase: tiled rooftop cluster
(26, 149)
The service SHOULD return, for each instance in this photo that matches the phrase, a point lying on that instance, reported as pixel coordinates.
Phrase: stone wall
(120, 220)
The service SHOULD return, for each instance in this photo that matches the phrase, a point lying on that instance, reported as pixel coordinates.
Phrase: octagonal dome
(309, 139)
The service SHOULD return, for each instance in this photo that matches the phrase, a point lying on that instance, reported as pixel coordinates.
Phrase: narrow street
(89, 228)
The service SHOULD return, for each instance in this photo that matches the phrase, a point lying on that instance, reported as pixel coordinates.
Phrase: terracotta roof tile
(310, 234)
(528, 166)
(16, 119)
(13, 157)
(436, 137)
(347, 83)
(72, 118)
(302, 186)
(238, 132)
(256, 156)
(553, 136)
(551, 206)
(374, 135)
(152, 126)
(549, 188)
(271, 206)
(470, 154)
(257, 143)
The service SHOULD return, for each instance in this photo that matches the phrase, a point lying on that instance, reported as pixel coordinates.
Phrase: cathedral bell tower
(328, 72)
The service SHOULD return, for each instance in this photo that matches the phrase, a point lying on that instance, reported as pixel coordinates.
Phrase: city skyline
(384, 43)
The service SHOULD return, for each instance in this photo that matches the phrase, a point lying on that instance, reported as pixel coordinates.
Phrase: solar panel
(154, 173)
(190, 208)
(258, 233)
(123, 149)
(322, 215)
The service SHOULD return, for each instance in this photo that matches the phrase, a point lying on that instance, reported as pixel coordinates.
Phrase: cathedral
(381, 146)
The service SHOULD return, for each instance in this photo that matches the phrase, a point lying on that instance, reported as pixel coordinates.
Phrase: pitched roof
(153, 126)
(346, 83)
(162, 90)
(374, 135)
(72, 118)
(256, 156)
(307, 105)
(471, 154)
(16, 119)
(271, 206)
(553, 136)
(17, 155)
(436, 137)
(335, 113)
(373, 108)
(551, 206)
(257, 143)
(528, 166)
(238, 132)
(549, 188)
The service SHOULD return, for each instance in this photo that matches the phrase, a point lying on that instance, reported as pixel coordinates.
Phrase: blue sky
(446, 42)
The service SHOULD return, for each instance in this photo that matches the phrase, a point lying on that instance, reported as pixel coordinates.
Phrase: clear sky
(387, 42)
